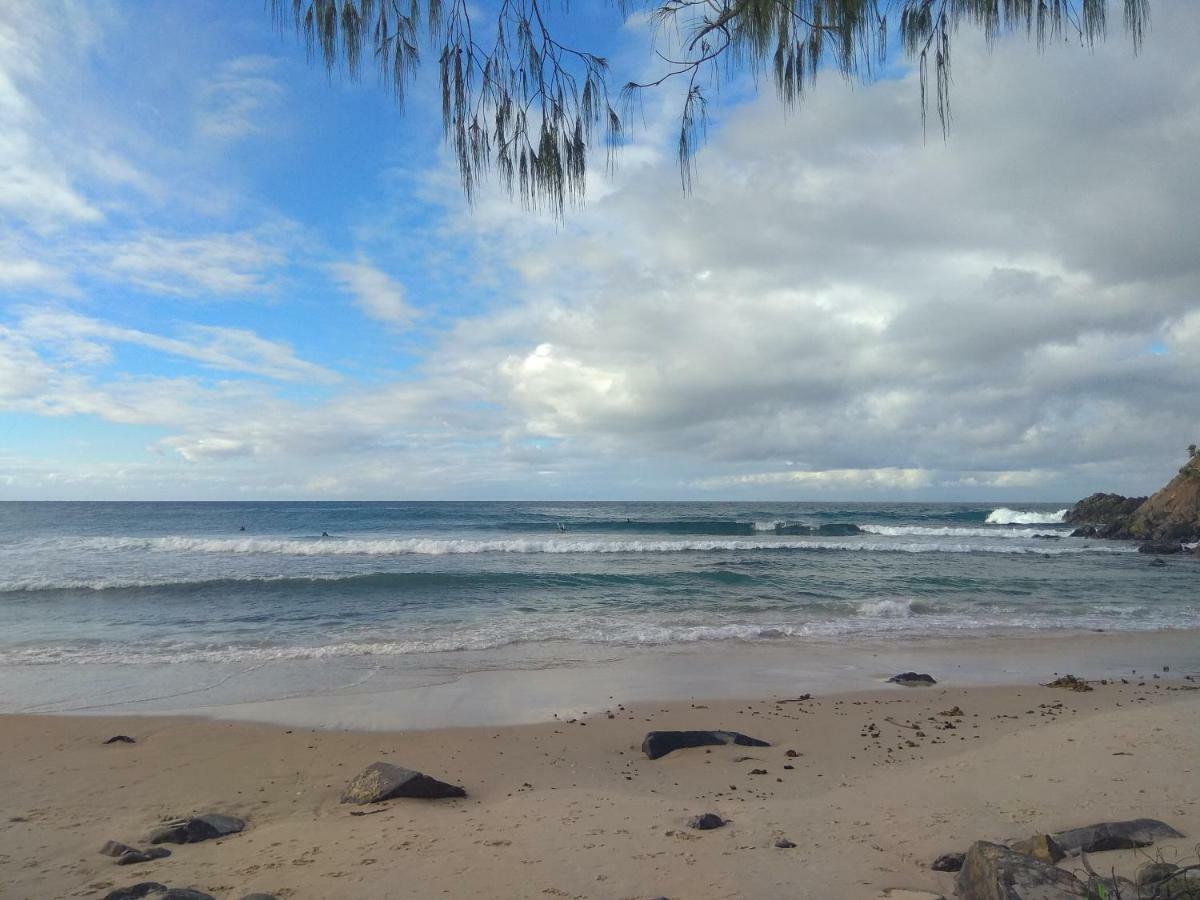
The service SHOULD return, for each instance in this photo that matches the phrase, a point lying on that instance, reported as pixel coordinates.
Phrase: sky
(225, 275)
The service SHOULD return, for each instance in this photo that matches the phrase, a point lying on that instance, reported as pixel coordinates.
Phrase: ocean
(95, 596)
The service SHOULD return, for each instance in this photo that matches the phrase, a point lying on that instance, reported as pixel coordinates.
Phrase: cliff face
(1172, 515)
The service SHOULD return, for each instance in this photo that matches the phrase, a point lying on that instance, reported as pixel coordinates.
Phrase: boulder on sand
(706, 822)
(383, 781)
(659, 743)
(912, 679)
(196, 829)
(156, 890)
(1113, 836)
(994, 872)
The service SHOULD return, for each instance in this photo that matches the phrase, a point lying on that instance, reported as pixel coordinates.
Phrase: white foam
(954, 531)
(1006, 516)
(887, 609)
(441, 547)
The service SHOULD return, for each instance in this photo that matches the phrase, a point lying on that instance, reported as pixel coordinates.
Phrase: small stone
(706, 822)
(953, 712)
(120, 739)
(784, 844)
(758, 771)
(792, 754)
(912, 679)
(948, 862)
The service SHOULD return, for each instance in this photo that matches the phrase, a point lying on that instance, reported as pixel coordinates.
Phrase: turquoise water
(128, 584)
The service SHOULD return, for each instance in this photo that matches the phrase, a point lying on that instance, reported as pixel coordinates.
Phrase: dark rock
(115, 848)
(1041, 847)
(1102, 509)
(784, 844)
(196, 829)
(383, 781)
(948, 862)
(156, 890)
(994, 872)
(135, 891)
(838, 529)
(911, 679)
(1157, 562)
(129, 857)
(706, 822)
(1161, 548)
(1114, 836)
(1087, 531)
(120, 739)
(659, 743)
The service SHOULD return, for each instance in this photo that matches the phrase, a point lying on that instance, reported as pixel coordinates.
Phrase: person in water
(324, 534)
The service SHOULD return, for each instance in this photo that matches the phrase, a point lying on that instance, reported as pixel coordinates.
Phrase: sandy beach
(880, 783)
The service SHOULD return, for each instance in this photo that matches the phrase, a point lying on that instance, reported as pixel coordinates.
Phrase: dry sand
(574, 809)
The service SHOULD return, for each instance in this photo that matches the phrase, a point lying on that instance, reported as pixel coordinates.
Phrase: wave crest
(1006, 516)
(448, 546)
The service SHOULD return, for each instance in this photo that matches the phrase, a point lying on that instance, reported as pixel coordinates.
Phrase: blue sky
(225, 275)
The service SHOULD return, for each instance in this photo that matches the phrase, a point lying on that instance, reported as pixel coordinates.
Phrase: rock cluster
(1027, 870)
(1164, 521)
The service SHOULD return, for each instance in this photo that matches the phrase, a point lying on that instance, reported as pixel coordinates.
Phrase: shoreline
(514, 687)
(878, 788)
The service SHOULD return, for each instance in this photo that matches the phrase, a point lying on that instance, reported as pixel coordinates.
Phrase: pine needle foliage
(522, 104)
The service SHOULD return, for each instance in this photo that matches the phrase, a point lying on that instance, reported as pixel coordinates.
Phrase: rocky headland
(1165, 522)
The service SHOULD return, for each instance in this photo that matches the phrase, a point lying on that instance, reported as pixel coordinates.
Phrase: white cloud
(224, 265)
(376, 293)
(224, 349)
(240, 100)
(851, 480)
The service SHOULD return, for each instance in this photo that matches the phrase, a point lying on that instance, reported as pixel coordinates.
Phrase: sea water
(103, 599)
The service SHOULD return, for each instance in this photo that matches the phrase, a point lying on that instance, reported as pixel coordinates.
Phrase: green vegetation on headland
(1166, 520)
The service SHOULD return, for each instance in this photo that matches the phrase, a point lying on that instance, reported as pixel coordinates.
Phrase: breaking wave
(448, 546)
(1006, 516)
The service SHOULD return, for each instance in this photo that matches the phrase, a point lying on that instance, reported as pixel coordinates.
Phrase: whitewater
(91, 594)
